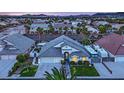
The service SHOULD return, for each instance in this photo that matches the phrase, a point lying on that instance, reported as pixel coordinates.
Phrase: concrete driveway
(46, 67)
(103, 72)
(117, 68)
(5, 67)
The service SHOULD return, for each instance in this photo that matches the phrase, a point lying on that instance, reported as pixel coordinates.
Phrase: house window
(84, 58)
(75, 58)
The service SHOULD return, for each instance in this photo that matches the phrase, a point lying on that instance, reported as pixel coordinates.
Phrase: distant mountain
(111, 14)
(24, 16)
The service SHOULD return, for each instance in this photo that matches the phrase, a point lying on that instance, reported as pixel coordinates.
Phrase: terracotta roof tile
(113, 43)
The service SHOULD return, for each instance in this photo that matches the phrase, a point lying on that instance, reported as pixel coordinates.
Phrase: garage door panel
(8, 57)
(50, 60)
(119, 59)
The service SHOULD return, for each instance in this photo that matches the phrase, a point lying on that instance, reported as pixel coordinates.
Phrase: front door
(66, 57)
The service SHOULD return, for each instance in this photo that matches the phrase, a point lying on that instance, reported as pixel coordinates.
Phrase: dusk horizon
(48, 13)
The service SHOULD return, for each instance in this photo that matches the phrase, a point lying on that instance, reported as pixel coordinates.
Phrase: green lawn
(84, 71)
(29, 71)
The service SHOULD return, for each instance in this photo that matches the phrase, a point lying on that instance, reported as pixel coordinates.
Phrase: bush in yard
(80, 62)
(72, 63)
(86, 63)
(16, 66)
(63, 62)
(29, 71)
(26, 56)
(21, 57)
(10, 73)
(73, 70)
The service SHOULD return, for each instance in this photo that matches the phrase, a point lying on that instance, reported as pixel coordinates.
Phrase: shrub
(29, 71)
(16, 66)
(86, 63)
(73, 70)
(26, 56)
(21, 58)
(72, 63)
(80, 62)
(10, 73)
(63, 62)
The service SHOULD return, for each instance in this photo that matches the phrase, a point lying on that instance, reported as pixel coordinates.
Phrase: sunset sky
(47, 13)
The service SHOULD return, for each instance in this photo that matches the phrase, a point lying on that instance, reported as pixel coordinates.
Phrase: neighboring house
(39, 21)
(13, 45)
(97, 23)
(2, 23)
(117, 26)
(61, 48)
(14, 21)
(49, 37)
(62, 25)
(111, 46)
(75, 23)
(92, 29)
(34, 27)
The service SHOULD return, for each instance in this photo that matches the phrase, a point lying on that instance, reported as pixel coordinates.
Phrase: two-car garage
(50, 59)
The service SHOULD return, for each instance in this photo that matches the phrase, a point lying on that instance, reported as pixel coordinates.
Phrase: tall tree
(86, 41)
(27, 28)
(51, 29)
(60, 29)
(102, 29)
(40, 31)
(121, 30)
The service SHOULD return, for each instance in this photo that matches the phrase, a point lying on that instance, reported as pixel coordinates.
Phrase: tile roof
(22, 43)
(67, 41)
(113, 43)
(49, 37)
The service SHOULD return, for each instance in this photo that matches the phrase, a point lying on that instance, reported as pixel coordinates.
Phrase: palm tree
(66, 28)
(60, 29)
(51, 29)
(27, 28)
(72, 28)
(57, 75)
(40, 31)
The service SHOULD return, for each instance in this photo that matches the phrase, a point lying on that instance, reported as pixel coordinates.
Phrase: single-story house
(97, 23)
(34, 27)
(116, 25)
(62, 25)
(49, 37)
(113, 44)
(92, 29)
(62, 48)
(75, 23)
(39, 21)
(13, 45)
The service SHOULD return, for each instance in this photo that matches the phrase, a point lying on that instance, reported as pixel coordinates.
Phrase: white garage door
(50, 60)
(119, 59)
(7, 57)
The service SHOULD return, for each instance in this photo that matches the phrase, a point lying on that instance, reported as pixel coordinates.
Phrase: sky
(47, 13)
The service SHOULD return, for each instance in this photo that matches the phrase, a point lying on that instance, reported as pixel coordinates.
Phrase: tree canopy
(102, 29)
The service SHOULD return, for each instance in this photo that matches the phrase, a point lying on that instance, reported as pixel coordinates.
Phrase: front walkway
(46, 67)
